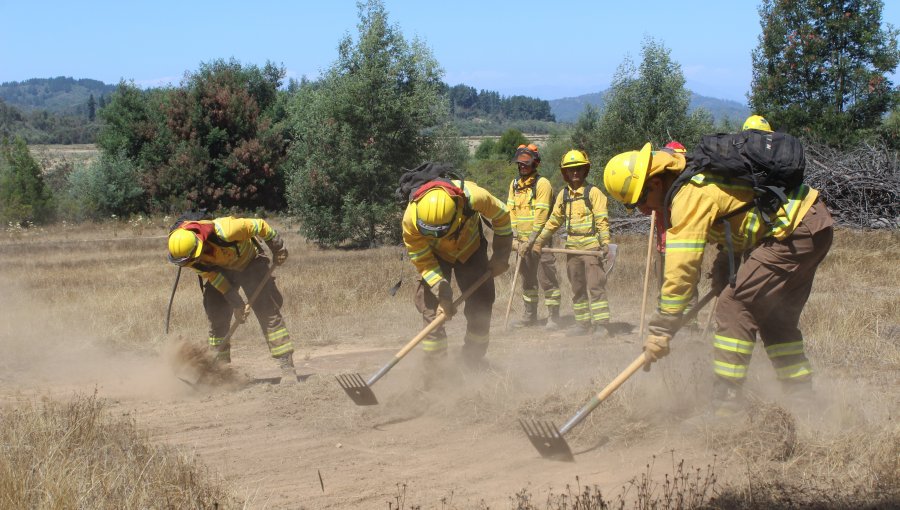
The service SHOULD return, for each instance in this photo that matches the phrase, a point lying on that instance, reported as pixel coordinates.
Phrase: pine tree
(23, 195)
(92, 108)
(821, 68)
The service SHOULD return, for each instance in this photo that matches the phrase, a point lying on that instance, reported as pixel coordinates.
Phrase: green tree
(23, 195)
(487, 149)
(647, 104)
(377, 110)
(821, 68)
(92, 108)
(110, 185)
(508, 142)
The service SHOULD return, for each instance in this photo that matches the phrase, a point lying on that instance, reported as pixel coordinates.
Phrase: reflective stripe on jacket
(578, 221)
(529, 210)
(238, 233)
(423, 250)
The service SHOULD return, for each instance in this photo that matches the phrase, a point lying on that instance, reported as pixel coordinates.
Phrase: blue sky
(547, 49)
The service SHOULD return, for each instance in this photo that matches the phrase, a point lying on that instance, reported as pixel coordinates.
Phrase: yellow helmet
(575, 158)
(435, 212)
(184, 246)
(756, 122)
(626, 173)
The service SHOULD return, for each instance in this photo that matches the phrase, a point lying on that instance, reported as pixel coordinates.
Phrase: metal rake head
(547, 440)
(357, 389)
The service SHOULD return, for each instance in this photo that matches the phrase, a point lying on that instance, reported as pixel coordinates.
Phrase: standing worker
(442, 231)
(581, 207)
(225, 253)
(529, 202)
(769, 289)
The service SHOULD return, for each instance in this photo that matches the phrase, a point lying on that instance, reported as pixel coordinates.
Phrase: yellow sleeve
(243, 229)
(419, 249)
(216, 279)
(554, 221)
(601, 215)
(511, 204)
(542, 199)
(693, 213)
(491, 208)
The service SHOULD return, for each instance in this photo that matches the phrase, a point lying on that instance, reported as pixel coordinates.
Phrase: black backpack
(771, 163)
(586, 196)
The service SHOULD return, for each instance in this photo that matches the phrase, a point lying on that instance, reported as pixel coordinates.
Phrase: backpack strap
(589, 207)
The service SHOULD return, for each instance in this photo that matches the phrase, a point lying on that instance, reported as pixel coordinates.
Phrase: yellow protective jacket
(424, 250)
(695, 212)
(584, 229)
(529, 204)
(232, 248)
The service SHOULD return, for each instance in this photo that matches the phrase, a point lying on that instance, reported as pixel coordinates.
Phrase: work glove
(604, 255)
(241, 314)
(445, 298)
(526, 246)
(537, 249)
(656, 347)
(499, 262)
(279, 252)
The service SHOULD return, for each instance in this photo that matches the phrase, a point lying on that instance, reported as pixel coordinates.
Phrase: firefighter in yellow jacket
(529, 201)
(442, 231)
(225, 253)
(771, 285)
(581, 209)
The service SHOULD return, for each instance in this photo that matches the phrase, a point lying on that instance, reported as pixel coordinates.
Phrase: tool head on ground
(436, 208)
(626, 173)
(184, 247)
(756, 122)
(357, 389)
(547, 440)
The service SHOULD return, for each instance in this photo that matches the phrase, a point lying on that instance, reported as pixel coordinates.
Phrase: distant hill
(62, 95)
(568, 109)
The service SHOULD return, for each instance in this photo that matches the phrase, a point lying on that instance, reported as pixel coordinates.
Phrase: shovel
(360, 390)
(549, 441)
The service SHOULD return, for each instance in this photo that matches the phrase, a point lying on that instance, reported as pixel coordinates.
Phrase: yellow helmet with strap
(184, 246)
(756, 122)
(435, 212)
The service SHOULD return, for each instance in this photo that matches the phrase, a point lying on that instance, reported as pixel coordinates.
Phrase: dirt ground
(456, 445)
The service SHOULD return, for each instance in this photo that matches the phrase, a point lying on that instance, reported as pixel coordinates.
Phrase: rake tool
(549, 441)
(360, 390)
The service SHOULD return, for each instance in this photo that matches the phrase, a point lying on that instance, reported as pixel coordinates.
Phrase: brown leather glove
(664, 324)
(538, 248)
(499, 262)
(241, 314)
(445, 298)
(656, 347)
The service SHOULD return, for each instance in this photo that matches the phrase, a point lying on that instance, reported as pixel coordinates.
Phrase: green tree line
(330, 151)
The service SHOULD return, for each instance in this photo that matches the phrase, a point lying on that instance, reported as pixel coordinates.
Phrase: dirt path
(458, 443)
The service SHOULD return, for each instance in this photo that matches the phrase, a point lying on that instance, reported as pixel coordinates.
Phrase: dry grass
(74, 455)
(113, 277)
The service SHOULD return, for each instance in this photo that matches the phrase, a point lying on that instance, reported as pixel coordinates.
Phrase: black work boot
(286, 364)
(553, 323)
(529, 316)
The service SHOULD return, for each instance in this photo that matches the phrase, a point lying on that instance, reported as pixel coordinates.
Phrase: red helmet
(676, 147)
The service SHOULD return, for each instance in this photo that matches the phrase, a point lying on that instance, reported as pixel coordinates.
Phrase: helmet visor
(181, 261)
(429, 230)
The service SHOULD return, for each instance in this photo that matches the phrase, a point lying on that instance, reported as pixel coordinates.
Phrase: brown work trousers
(540, 270)
(588, 281)
(772, 287)
(478, 306)
(267, 309)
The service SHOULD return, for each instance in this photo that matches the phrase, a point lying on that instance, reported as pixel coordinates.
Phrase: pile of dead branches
(860, 186)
